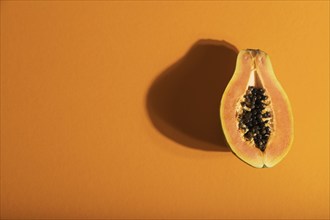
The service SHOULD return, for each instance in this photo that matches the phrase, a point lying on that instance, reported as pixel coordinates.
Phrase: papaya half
(255, 112)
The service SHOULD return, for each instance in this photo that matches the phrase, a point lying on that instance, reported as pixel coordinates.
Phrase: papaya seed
(252, 121)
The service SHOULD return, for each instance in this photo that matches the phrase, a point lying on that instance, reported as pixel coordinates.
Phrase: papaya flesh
(255, 112)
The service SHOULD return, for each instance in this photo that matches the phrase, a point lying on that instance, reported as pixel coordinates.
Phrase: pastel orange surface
(110, 109)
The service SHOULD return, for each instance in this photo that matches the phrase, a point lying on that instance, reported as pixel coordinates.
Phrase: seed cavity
(255, 118)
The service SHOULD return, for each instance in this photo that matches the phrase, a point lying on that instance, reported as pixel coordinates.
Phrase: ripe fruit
(255, 112)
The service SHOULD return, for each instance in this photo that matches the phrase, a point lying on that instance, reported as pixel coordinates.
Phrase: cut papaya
(255, 112)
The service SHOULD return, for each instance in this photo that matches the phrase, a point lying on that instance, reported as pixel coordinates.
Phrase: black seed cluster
(254, 119)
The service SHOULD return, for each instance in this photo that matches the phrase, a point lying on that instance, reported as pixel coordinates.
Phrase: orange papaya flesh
(255, 112)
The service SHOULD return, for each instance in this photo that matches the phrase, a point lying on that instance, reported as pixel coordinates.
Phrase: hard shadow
(183, 101)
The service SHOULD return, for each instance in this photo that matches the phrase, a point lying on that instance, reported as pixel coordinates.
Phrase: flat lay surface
(111, 109)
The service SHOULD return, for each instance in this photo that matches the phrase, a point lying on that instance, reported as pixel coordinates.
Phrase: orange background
(109, 109)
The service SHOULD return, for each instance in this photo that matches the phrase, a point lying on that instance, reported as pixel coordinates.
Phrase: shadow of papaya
(183, 101)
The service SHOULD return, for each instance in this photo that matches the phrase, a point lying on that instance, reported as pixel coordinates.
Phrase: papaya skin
(254, 68)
